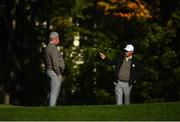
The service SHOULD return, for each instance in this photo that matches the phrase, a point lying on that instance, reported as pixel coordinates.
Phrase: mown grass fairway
(154, 111)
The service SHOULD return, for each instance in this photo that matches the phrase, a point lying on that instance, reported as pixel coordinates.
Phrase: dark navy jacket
(136, 70)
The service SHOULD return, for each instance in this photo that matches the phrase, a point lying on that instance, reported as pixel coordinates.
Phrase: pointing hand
(102, 55)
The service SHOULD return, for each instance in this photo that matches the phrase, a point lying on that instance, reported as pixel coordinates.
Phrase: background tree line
(152, 26)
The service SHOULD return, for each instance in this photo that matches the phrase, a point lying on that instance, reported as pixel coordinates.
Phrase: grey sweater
(54, 59)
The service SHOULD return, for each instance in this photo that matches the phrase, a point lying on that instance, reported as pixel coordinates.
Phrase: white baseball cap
(129, 47)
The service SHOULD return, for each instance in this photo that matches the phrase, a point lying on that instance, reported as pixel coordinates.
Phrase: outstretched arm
(106, 60)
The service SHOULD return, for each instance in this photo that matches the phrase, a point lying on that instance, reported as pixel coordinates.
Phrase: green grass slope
(136, 112)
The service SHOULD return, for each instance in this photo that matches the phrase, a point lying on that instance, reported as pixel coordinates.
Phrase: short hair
(53, 35)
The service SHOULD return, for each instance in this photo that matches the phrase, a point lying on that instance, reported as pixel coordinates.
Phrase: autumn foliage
(124, 8)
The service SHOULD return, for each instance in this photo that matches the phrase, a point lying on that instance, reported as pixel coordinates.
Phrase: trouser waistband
(125, 81)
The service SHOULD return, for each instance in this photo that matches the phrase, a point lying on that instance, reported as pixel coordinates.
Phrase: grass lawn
(169, 111)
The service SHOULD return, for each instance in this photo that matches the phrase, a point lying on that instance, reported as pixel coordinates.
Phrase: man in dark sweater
(127, 71)
(54, 67)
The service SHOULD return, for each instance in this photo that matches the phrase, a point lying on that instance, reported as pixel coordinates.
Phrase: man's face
(56, 40)
(128, 53)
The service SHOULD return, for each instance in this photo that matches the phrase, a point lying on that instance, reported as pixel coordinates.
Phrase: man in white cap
(127, 71)
(54, 67)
